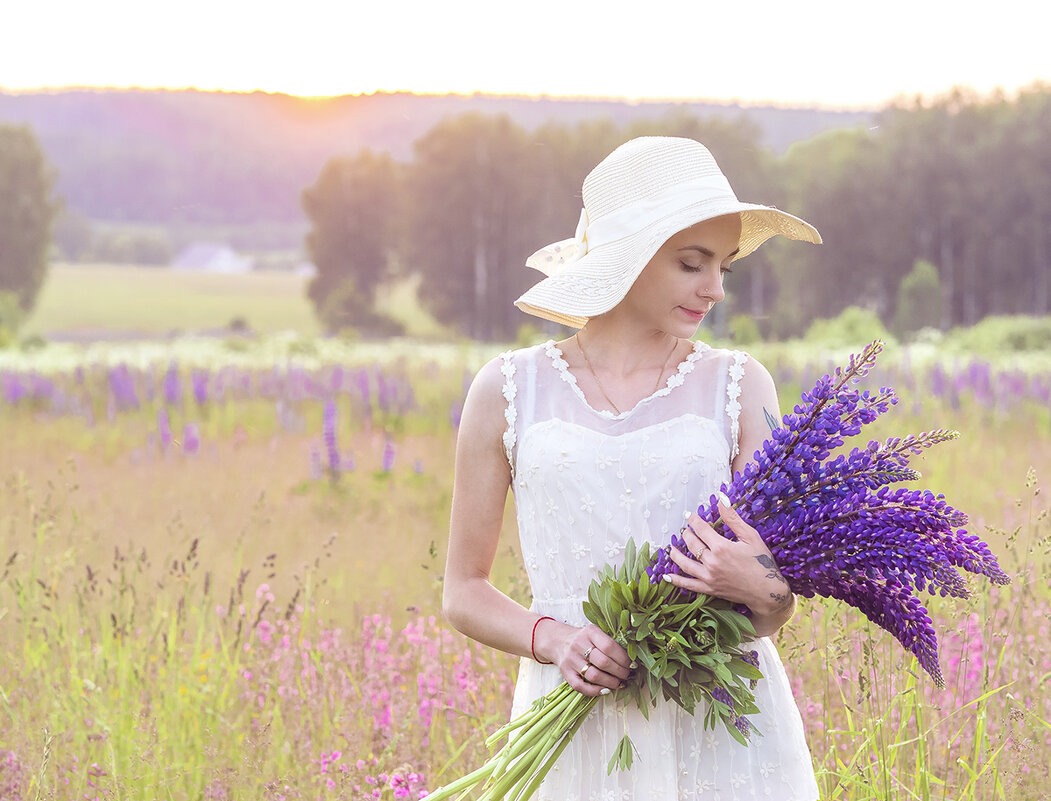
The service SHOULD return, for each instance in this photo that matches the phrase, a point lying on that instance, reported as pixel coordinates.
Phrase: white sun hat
(638, 197)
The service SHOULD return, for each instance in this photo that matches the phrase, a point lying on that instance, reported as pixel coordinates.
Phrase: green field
(105, 301)
(214, 613)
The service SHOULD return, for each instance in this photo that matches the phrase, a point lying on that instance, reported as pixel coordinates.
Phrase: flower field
(220, 573)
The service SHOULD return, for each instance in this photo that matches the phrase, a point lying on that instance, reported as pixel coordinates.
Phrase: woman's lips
(694, 314)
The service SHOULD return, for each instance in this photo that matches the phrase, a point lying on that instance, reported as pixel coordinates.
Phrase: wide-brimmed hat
(638, 197)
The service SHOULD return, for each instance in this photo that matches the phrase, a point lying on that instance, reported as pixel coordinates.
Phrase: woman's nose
(714, 291)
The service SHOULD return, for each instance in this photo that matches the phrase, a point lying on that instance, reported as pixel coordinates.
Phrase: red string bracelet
(532, 641)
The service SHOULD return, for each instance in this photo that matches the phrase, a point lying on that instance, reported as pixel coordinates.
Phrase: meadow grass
(110, 300)
(234, 621)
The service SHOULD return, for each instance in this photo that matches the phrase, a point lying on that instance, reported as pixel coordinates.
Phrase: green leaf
(645, 589)
(630, 552)
(741, 668)
(623, 756)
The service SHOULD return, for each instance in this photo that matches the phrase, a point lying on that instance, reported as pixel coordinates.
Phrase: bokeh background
(250, 261)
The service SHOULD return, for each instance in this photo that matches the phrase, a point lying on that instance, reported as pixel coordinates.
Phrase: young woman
(619, 432)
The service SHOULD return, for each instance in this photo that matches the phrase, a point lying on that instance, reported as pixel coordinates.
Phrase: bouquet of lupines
(835, 528)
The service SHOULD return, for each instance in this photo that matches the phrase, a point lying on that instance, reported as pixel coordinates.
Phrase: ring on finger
(584, 670)
(587, 653)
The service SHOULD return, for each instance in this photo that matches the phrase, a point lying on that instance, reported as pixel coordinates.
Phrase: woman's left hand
(743, 571)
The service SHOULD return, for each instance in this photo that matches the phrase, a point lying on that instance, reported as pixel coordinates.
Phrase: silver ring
(587, 653)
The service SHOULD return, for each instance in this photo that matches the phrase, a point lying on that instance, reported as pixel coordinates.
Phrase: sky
(838, 54)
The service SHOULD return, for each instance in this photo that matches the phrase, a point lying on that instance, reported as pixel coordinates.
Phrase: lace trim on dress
(733, 406)
(674, 380)
(510, 390)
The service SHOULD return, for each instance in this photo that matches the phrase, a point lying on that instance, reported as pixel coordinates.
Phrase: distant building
(306, 269)
(212, 257)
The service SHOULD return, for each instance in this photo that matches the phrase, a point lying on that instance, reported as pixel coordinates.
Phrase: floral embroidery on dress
(733, 406)
(510, 412)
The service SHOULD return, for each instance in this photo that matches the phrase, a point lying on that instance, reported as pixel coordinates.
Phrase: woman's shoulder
(726, 355)
(500, 372)
(740, 366)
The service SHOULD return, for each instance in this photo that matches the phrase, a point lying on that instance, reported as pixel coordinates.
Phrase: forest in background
(935, 213)
(189, 157)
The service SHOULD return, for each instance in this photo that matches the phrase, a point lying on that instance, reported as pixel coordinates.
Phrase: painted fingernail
(604, 691)
(722, 498)
(633, 665)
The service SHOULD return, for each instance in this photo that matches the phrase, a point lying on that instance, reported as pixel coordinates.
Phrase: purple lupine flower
(164, 429)
(388, 455)
(122, 389)
(14, 391)
(328, 433)
(335, 381)
(835, 527)
(191, 438)
(385, 392)
(721, 695)
(199, 381)
(361, 378)
(172, 385)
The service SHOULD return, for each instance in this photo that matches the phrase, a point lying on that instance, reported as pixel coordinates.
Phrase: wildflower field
(220, 578)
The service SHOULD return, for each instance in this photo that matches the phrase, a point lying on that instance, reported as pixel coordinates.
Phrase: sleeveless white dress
(584, 481)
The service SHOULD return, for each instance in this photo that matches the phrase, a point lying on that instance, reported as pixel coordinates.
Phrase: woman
(620, 431)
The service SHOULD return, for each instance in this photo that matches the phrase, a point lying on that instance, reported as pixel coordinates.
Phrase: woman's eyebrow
(705, 252)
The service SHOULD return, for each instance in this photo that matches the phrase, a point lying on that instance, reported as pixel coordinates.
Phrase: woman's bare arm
(470, 602)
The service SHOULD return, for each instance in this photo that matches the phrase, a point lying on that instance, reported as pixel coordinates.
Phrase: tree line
(936, 214)
(215, 158)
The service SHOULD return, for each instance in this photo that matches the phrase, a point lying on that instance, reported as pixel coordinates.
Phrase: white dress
(585, 481)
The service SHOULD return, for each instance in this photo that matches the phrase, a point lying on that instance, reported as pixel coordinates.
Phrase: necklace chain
(602, 389)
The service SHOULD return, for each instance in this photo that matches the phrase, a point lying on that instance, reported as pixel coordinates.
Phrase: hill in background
(212, 158)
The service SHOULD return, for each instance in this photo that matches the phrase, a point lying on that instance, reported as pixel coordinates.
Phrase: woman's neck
(622, 352)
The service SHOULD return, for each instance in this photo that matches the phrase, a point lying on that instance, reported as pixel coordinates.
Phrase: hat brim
(595, 283)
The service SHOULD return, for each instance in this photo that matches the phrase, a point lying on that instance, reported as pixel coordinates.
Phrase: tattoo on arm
(771, 421)
(782, 600)
(771, 565)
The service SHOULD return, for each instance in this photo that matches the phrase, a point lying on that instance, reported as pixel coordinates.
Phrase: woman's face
(684, 279)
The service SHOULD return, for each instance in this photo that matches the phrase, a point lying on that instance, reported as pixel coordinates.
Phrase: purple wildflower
(835, 527)
(388, 455)
(122, 389)
(191, 438)
(164, 429)
(172, 385)
(328, 432)
(199, 380)
(721, 695)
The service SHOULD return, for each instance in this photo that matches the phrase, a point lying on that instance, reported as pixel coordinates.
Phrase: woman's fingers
(699, 536)
(736, 524)
(594, 662)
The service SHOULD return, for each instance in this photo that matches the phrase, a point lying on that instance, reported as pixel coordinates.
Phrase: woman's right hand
(591, 661)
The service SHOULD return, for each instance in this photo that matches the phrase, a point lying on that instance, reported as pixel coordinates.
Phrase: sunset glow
(825, 53)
